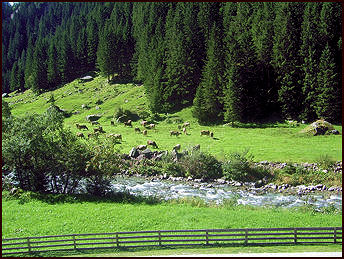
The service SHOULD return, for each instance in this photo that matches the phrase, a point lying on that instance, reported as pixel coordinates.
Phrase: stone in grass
(319, 127)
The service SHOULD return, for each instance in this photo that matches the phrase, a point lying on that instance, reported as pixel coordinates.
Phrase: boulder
(147, 153)
(319, 127)
(93, 117)
(134, 153)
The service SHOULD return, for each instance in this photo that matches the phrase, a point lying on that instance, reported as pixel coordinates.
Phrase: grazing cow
(141, 147)
(184, 130)
(176, 147)
(90, 135)
(144, 123)
(186, 124)
(128, 123)
(144, 132)
(205, 132)
(80, 135)
(152, 143)
(81, 126)
(115, 136)
(94, 122)
(137, 130)
(173, 132)
(99, 130)
(151, 126)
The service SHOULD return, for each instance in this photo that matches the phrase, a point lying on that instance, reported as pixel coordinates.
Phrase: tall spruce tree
(287, 62)
(327, 104)
(208, 102)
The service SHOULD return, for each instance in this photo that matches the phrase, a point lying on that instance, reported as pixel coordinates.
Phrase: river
(218, 193)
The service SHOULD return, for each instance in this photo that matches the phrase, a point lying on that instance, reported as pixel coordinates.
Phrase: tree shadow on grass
(113, 197)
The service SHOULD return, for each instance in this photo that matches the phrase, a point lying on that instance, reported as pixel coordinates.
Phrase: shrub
(125, 115)
(173, 169)
(201, 165)
(239, 167)
(31, 141)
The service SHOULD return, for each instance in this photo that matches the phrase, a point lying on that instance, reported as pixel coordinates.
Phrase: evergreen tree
(328, 102)
(39, 78)
(242, 97)
(106, 54)
(287, 62)
(52, 69)
(208, 104)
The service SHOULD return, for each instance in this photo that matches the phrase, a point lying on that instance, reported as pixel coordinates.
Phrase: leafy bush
(173, 169)
(201, 165)
(125, 115)
(239, 167)
(296, 175)
(42, 155)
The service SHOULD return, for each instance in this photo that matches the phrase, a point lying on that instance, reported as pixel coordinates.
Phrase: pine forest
(230, 61)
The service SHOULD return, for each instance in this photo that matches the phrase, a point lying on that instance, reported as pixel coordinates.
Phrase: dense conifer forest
(244, 62)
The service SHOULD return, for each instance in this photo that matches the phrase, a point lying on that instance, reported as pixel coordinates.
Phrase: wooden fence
(246, 236)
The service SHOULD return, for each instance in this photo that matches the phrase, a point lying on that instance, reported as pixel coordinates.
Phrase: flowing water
(217, 193)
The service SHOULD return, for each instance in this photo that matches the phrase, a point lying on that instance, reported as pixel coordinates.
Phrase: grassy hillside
(278, 142)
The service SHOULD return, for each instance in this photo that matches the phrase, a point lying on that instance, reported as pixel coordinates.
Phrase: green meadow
(278, 142)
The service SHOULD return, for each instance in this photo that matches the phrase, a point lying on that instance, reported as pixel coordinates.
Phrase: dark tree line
(230, 61)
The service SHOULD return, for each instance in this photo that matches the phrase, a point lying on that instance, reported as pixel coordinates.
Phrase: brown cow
(90, 135)
(99, 130)
(152, 143)
(143, 123)
(173, 132)
(176, 147)
(151, 126)
(205, 132)
(80, 135)
(186, 124)
(184, 130)
(128, 123)
(144, 132)
(115, 136)
(141, 147)
(81, 126)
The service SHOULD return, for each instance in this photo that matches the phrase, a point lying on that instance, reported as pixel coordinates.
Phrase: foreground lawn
(37, 218)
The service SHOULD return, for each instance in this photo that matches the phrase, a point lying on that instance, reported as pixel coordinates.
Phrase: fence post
(29, 245)
(335, 235)
(295, 236)
(74, 242)
(117, 242)
(207, 238)
(246, 236)
(159, 238)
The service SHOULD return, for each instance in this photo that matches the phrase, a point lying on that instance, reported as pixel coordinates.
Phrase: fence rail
(245, 236)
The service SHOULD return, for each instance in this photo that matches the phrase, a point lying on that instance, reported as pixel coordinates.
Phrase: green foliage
(33, 140)
(238, 167)
(297, 175)
(201, 165)
(325, 161)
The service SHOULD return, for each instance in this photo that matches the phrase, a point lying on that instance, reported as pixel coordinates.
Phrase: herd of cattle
(145, 124)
